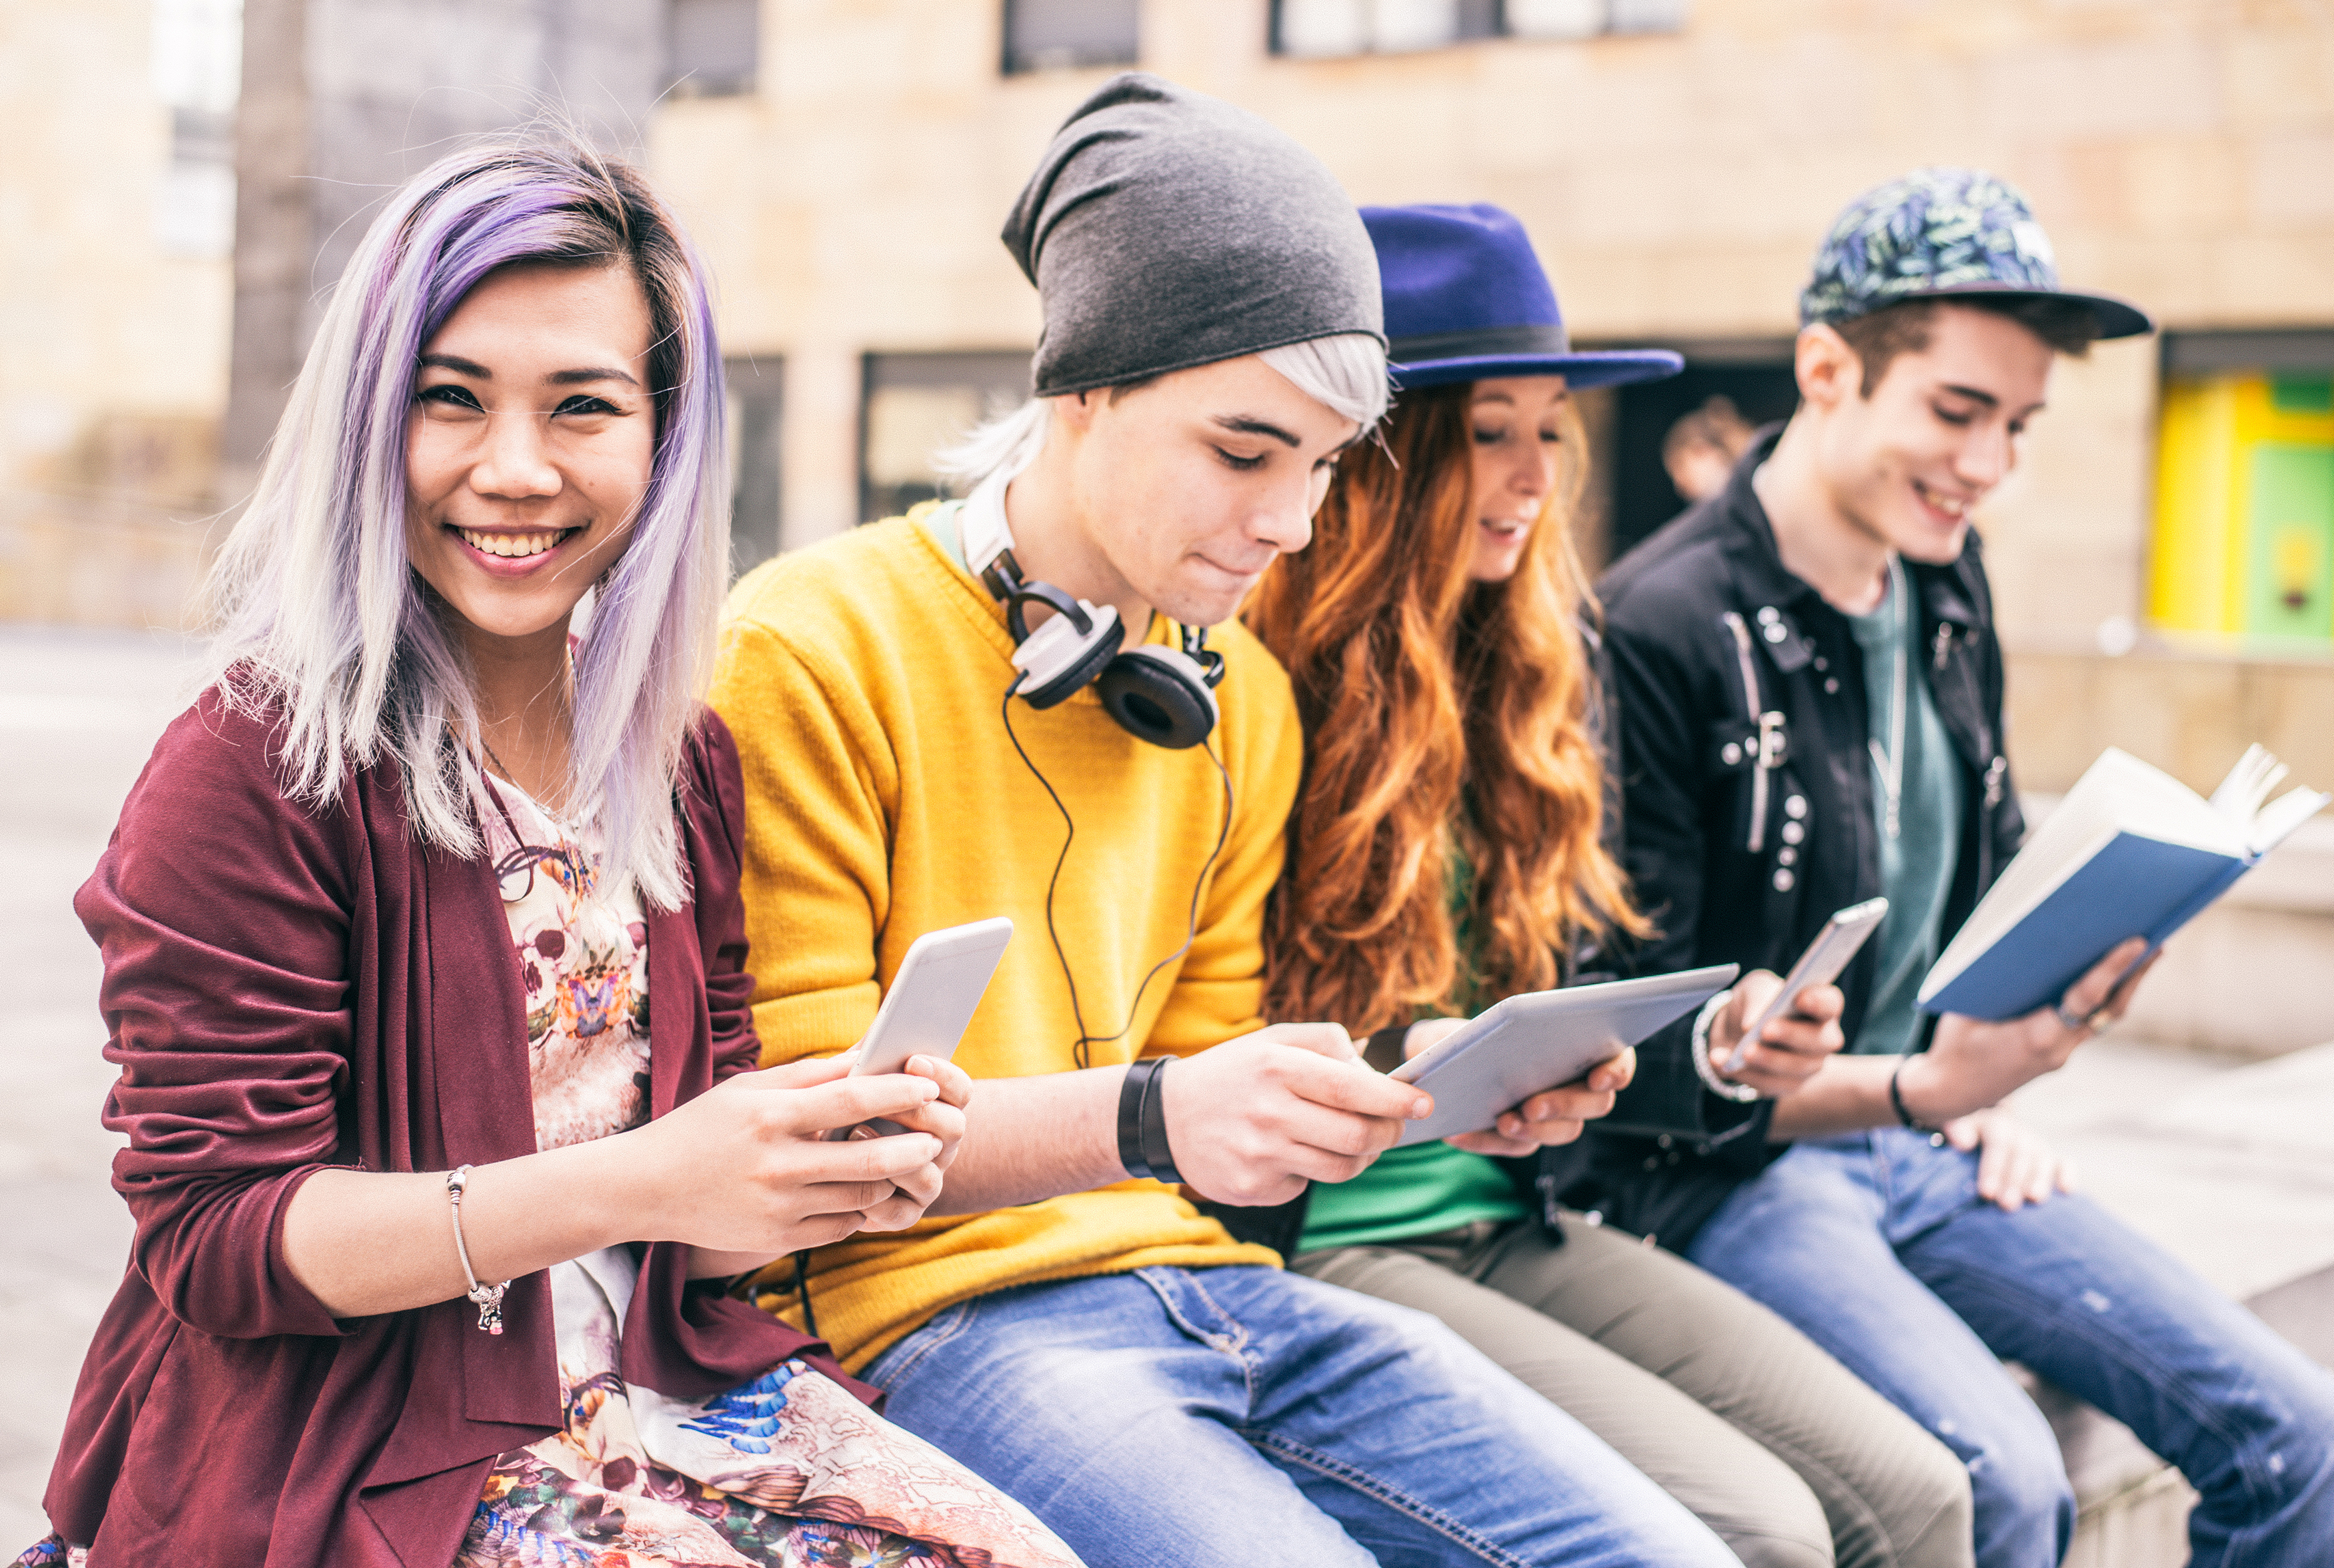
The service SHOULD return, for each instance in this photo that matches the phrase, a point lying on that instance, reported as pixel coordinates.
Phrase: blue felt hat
(1466, 300)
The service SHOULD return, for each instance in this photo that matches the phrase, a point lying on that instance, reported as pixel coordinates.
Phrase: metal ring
(2070, 1020)
(2101, 1020)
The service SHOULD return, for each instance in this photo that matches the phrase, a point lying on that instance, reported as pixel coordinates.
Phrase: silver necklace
(1891, 762)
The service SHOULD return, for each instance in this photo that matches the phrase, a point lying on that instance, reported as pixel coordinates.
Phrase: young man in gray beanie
(1035, 703)
(1811, 696)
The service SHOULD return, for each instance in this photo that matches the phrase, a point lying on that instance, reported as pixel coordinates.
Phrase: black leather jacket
(1749, 812)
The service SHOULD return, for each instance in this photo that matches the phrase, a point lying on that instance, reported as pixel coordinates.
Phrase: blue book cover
(2134, 887)
(2130, 852)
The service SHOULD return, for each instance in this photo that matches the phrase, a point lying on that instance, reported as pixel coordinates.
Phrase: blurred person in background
(1810, 694)
(1449, 850)
(432, 1221)
(1035, 703)
(1702, 447)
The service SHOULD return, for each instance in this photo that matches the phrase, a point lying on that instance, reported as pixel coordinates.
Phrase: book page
(2290, 809)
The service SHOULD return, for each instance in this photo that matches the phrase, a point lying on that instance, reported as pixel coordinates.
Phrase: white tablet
(1510, 1052)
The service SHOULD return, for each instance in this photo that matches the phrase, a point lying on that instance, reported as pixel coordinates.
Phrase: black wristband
(1142, 1123)
(1896, 1098)
(1160, 1158)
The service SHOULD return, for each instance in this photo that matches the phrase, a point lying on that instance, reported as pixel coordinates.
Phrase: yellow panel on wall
(2189, 567)
(2222, 435)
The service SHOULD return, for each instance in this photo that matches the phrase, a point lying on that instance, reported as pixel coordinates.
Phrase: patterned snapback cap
(1943, 231)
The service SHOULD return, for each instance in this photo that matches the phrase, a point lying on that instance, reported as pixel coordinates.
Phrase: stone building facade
(116, 205)
(845, 164)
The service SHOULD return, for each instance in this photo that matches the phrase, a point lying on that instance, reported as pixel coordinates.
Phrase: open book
(2130, 852)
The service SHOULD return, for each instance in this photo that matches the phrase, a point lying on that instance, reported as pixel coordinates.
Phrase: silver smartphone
(931, 998)
(1821, 965)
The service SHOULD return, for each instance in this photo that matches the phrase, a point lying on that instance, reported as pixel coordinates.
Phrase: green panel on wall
(2290, 583)
(2302, 394)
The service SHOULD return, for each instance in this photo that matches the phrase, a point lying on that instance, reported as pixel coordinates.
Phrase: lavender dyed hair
(322, 618)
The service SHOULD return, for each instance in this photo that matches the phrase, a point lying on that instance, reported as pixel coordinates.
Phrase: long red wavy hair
(1439, 714)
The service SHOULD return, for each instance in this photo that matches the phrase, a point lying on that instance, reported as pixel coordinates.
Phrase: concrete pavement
(2228, 1165)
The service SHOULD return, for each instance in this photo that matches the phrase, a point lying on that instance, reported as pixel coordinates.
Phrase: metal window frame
(1010, 64)
(881, 369)
(1485, 19)
(758, 382)
(743, 83)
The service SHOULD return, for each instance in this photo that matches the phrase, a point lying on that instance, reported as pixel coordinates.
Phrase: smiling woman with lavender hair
(425, 971)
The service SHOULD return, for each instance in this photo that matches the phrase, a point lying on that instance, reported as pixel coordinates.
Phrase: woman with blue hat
(1451, 847)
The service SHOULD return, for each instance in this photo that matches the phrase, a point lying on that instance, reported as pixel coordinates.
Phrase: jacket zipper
(1762, 763)
(1997, 765)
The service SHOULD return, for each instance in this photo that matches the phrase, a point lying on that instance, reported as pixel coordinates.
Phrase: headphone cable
(1078, 1052)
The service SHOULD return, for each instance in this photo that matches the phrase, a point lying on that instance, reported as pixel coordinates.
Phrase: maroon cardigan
(287, 989)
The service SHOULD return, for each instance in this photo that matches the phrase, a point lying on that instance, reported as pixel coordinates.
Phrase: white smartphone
(1821, 965)
(931, 1000)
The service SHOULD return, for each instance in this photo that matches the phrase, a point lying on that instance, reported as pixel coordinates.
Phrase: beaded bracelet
(1739, 1093)
(487, 1297)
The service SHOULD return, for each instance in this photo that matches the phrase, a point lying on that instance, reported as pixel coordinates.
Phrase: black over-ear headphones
(1165, 695)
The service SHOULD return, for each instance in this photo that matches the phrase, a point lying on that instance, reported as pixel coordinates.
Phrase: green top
(1917, 862)
(1423, 1187)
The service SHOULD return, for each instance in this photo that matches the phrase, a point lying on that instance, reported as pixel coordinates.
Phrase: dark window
(1059, 35)
(716, 45)
(756, 386)
(2195, 353)
(1334, 29)
(912, 405)
(1726, 391)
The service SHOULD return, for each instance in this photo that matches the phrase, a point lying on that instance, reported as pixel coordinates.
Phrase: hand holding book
(1972, 1064)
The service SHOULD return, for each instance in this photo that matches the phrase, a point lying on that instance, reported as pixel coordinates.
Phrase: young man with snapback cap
(1810, 691)
(939, 721)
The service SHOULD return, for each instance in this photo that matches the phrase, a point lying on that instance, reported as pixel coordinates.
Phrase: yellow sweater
(863, 680)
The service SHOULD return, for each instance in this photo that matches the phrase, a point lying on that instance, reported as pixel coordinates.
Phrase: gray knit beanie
(1165, 229)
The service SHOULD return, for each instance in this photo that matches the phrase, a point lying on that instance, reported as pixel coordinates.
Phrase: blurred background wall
(116, 198)
(196, 172)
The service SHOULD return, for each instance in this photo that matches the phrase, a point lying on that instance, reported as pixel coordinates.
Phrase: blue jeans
(1879, 1249)
(1241, 1414)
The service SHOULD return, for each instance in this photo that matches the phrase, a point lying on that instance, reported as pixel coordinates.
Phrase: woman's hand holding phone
(1791, 1050)
(747, 1169)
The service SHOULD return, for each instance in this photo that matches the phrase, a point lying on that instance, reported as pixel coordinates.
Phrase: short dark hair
(2067, 326)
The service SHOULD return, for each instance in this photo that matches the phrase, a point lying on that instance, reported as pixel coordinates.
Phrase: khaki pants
(1770, 1442)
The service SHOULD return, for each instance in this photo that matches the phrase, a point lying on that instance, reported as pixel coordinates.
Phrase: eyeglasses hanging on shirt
(515, 872)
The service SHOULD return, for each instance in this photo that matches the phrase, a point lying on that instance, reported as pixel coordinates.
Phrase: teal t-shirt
(1425, 1187)
(1917, 864)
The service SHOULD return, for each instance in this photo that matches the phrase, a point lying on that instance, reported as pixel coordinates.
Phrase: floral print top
(787, 1470)
(583, 967)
